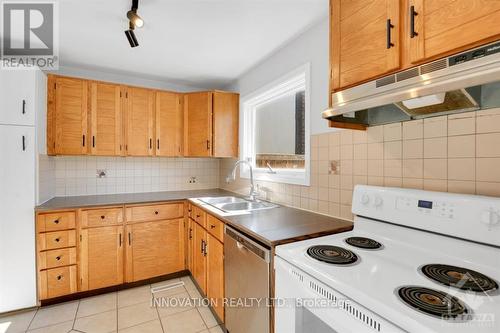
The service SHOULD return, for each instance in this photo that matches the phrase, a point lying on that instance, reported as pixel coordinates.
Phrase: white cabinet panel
(17, 230)
(17, 97)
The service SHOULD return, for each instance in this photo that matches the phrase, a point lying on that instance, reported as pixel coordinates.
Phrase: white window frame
(297, 79)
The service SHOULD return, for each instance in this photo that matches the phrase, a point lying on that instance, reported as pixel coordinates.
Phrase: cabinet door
(155, 249)
(101, 257)
(226, 126)
(199, 257)
(17, 234)
(360, 45)
(215, 274)
(169, 124)
(446, 27)
(140, 104)
(70, 116)
(190, 244)
(198, 124)
(106, 119)
(17, 105)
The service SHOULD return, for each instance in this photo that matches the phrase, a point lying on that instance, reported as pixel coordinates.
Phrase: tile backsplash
(78, 175)
(456, 153)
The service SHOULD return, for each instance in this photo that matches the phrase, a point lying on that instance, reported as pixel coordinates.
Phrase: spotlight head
(135, 19)
(131, 38)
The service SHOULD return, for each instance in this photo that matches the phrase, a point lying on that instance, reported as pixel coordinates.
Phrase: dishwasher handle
(243, 242)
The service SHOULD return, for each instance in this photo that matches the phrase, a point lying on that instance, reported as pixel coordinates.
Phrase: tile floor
(127, 311)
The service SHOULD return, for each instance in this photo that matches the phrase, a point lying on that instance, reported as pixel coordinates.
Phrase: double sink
(236, 205)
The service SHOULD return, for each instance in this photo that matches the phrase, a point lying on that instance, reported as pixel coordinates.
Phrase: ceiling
(202, 43)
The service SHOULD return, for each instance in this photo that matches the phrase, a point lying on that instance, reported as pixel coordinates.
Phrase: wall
(77, 175)
(310, 47)
(456, 153)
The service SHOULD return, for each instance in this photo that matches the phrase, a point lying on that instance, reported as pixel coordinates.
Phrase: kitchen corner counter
(270, 227)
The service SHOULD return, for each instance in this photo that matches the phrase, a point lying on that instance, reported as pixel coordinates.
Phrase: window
(276, 129)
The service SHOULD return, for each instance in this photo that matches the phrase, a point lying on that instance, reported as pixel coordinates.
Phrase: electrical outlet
(101, 173)
(192, 180)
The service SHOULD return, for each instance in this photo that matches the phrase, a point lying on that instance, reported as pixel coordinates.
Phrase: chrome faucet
(232, 176)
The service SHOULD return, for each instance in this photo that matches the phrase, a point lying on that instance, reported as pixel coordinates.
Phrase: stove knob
(378, 201)
(365, 199)
(490, 218)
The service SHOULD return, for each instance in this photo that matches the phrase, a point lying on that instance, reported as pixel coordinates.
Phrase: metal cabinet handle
(24, 143)
(58, 258)
(389, 27)
(212, 226)
(56, 221)
(129, 239)
(150, 143)
(413, 13)
(156, 212)
(158, 144)
(93, 141)
(57, 239)
(201, 249)
(190, 233)
(24, 106)
(83, 140)
(103, 217)
(208, 144)
(120, 240)
(205, 249)
(59, 277)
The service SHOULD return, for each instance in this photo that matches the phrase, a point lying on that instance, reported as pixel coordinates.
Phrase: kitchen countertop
(271, 227)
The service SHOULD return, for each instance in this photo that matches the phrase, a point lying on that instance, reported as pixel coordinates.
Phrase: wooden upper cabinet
(154, 249)
(198, 124)
(106, 119)
(140, 118)
(364, 40)
(169, 124)
(101, 257)
(446, 27)
(67, 125)
(225, 124)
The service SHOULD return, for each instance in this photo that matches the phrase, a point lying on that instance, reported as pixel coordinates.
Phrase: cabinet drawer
(155, 212)
(56, 240)
(101, 217)
(57, 258)
(56, 221)
(200, 216)
(215, 227)
(58, 282)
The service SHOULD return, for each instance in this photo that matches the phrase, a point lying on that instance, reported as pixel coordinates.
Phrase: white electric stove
(415, 261)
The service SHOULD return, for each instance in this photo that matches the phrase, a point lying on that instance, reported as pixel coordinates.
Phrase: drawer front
(56, 240)
(57, 258)
(58, 282)
(200, 216)
(215, 227)
(155, 212)
(56, 221)
(101, 217)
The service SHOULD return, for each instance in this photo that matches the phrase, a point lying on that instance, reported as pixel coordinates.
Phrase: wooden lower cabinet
(154, 248)
(199, 271)
(57, 282)
(215, 274)
(101, 257)
(208, 260)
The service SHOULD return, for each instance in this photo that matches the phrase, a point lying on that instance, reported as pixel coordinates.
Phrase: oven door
(305, 305)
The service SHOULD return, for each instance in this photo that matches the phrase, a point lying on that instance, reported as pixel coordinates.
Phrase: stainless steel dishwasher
(246, 278)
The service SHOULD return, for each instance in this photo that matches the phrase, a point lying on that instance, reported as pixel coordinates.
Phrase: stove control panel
(440, 209)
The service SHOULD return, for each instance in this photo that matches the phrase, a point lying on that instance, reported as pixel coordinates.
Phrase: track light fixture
(134, 21)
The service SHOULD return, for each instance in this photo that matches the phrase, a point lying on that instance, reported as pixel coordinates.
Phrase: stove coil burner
(459, 277)
(332, 254)
(433, 302)
(363, 242)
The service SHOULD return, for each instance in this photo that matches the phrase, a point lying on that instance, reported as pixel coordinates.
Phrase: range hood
(463, 82)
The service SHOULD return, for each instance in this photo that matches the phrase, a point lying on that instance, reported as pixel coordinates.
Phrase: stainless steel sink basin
(221, 200)
(235, 204)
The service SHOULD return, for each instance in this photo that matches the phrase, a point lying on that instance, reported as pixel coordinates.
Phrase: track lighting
(134, 21)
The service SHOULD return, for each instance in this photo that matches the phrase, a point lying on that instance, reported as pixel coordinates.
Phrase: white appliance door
(17, 97)
(305, 305)
(17, 229)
